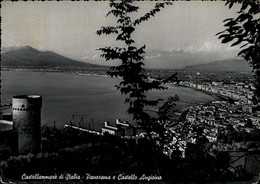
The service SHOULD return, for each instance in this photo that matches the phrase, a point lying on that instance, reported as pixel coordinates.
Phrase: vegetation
(106, 155)
(111, 155)
(135, 83)
(244, 31)
(231, 135)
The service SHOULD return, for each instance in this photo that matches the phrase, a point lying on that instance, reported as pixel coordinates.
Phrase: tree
(134, 82)
(244, 30)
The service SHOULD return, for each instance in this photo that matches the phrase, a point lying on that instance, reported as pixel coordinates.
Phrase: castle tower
(27, 122)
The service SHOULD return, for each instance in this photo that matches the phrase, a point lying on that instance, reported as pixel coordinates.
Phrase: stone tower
(26, 110)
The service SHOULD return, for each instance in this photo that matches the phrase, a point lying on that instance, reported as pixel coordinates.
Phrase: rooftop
(5, 125)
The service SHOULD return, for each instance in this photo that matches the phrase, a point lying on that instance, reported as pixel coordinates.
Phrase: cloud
(94, 58)
(206, 47)
(214, 48)
(152, 56)
(92, 55)
(175, 49)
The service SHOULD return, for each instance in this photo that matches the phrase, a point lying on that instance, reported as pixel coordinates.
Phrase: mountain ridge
(31, 57)
(28, 56)
(236, 65)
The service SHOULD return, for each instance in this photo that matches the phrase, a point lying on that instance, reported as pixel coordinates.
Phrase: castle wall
(27, 122)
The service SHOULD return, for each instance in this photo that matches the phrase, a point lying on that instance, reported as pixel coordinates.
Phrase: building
(24, 125)
(120, 128)
(109, 129)
(247, 109)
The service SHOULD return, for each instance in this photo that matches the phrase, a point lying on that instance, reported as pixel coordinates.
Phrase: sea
(89, 98)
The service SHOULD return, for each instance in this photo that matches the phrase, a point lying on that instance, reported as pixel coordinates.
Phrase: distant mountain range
(173, 59)
(237, 65)
(30, 57)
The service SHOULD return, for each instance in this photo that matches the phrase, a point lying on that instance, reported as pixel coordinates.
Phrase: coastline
(91, 96)
(220, 97)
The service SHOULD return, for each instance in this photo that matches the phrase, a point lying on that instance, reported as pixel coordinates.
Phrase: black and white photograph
(130, 91)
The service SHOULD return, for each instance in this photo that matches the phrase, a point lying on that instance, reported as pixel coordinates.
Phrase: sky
(69, 28)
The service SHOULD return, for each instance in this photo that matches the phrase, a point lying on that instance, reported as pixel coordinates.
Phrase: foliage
(134, 82)
(54, 139)
(244, 30)
(231, 135)
(111, 155)
(166, 111)
(107, 156)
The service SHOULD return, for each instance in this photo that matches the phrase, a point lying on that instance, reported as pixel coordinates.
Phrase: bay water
(91, 97)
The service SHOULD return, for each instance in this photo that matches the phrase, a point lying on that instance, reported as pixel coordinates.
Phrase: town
(234, 115)
(229, 125)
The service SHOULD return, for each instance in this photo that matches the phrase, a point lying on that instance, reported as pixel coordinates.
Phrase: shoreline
(92, 72)
(221, 97)
(168, 85)
(79, 108)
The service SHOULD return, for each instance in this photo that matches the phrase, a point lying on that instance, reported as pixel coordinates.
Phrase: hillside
(30, 57)
(236, 65)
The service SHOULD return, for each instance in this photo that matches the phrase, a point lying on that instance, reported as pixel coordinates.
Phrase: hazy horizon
(184, 31)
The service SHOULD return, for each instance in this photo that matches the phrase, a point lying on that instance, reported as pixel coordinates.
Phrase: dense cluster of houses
(211, 120)
(241, 92)
(220, 115)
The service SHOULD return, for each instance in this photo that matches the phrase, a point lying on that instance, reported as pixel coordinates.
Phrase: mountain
(179, 59)
(6, 49)
(171, 60)
(236, 65)
(30, 57)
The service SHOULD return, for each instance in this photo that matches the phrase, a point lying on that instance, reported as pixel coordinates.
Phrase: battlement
(26, 102)
(23, 109)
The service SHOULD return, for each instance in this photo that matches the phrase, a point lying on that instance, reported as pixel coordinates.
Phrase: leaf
(227, 39)
(230, 23)
(236, 43)
(244, 45)
(224, 35)
(230, 5)
(244, 5)
(229, 19)
(220, 33)
(243, 17)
